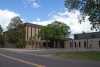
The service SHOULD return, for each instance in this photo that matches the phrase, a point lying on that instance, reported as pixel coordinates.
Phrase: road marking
(23, 61)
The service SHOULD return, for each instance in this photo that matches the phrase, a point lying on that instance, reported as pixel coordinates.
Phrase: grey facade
(85, 40)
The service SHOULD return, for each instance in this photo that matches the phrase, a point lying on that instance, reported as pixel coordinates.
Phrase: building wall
(84, 43)
(87, 35)
(32, 39)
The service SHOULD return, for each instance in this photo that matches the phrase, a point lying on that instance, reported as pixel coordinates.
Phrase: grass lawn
(79, 55)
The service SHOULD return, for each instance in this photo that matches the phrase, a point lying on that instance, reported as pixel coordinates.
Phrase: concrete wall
(31, 38)
(84, 43)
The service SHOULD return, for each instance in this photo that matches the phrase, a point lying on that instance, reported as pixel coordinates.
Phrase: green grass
(79, 55)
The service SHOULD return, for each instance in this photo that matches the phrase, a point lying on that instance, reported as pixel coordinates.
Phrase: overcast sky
(41, 12)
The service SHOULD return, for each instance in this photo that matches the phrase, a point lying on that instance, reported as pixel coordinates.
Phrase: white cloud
(45, 22)
(33, 3)
(5, 17)
(70, 18)
(36, 5)
(38, 19)
(51, 13)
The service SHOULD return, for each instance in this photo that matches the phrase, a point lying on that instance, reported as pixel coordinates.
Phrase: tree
(15, 21)
(1, 30)
(56, 31)
(89, 8)
(21, 36)
(1, 37)
(15, 33)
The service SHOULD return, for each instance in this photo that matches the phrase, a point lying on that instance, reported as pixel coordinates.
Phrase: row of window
(36, 30)
(78, 44)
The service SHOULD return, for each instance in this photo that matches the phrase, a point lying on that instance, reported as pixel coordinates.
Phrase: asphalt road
(17, 59)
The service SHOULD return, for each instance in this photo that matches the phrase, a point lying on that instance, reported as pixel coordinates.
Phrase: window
(99, 44)
(84, 44)
(75, 44)
(27, 32)
(79, 44)
(93, 36)
(71, 45)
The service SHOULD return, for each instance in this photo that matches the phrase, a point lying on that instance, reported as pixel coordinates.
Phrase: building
(85, 40)
(31, 35)
(31, 38)
(34, 41)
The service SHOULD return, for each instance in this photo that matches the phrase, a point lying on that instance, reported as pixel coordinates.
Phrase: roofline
(34, 25)
(86, 33)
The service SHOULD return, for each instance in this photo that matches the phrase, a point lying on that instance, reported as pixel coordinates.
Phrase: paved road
(21, 59)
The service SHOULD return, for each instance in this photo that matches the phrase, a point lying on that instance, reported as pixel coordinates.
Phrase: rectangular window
(99, 44)
(75, 44)
(84, 44)
(27, 32)
(79, 44)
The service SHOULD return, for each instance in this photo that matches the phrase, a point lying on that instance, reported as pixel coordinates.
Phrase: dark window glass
(79, 44)
(75, 44)
(27, 33)
(99, 44)
(84, 44)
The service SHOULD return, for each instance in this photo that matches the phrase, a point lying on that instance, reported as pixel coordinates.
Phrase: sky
(42, 12)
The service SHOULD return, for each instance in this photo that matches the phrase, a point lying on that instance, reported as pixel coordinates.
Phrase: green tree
(56, 31)
(1, 37)
(89, 8)
(21, 36)
(15, 21)
(1, 30)
(15, 33)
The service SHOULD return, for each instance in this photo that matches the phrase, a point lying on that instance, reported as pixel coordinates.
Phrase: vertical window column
(85, 46)
(27, 32)
(99, 44)
(75, 44)
(79, 44)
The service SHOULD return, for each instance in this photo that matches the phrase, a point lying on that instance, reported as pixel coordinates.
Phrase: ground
(86, 55)
(39, 58)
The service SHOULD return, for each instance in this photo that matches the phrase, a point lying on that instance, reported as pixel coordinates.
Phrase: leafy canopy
(89, 8)
(15, 33)
(1, 29)
(15, 21)
(1, 37)
(55, 31)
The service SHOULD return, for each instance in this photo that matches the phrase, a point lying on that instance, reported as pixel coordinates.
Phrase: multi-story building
(34, 41)
(31, 35)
